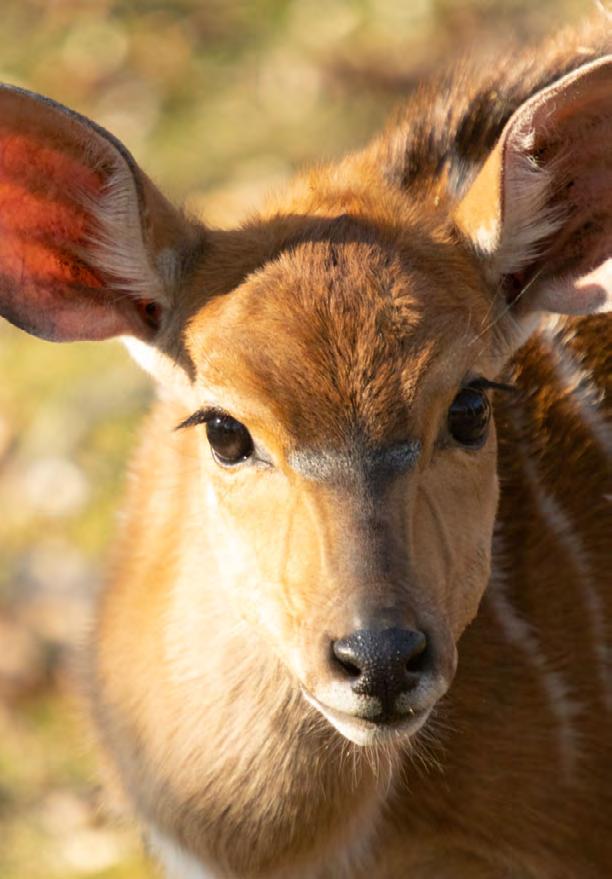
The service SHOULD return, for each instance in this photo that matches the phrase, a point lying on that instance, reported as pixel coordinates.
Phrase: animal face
(349, 464)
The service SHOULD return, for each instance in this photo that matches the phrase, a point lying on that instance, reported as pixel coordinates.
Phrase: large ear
(541, 208)
(88, 246)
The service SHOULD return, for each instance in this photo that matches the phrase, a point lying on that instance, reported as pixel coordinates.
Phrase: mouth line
(364, 731)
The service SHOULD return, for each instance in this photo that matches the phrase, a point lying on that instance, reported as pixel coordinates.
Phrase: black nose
(382, 664)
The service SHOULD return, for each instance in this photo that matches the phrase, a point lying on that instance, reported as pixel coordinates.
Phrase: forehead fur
(339, 328)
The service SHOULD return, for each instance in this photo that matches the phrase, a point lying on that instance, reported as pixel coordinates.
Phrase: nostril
(344, 656)
(417, 661)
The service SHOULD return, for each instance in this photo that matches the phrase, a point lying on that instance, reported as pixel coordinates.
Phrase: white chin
(365, 732)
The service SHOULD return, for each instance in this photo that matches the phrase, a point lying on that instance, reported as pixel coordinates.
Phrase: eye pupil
(229, 440)
(469, 416)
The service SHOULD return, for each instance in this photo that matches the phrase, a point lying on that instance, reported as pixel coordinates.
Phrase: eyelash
(486, 384)
(202, 416)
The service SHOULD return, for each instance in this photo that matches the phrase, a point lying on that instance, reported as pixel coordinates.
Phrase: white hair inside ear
(540, 211)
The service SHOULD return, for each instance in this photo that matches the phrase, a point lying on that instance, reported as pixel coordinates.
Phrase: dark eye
(468, 417)
(229, 440)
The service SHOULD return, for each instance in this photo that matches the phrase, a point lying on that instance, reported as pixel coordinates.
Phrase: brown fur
(339, 322)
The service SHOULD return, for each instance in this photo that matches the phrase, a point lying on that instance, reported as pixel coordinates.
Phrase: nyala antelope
(356, 625)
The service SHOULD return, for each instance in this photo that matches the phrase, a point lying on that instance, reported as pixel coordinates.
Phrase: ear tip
(544, 189)
(18, 95)
(36, 113)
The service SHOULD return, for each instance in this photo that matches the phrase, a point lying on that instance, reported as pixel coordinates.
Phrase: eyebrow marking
(332, 464)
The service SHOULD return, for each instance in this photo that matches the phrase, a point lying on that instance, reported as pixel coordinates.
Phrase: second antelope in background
(356, 625)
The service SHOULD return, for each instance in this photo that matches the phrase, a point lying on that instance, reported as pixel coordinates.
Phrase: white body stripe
(522, 635)
(577, 380)
(561, 526)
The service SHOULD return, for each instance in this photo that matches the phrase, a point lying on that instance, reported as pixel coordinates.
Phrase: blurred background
(220, 101)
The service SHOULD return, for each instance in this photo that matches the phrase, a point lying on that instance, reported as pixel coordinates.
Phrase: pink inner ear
(48, 286)
(557, 212)
(42, 225)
